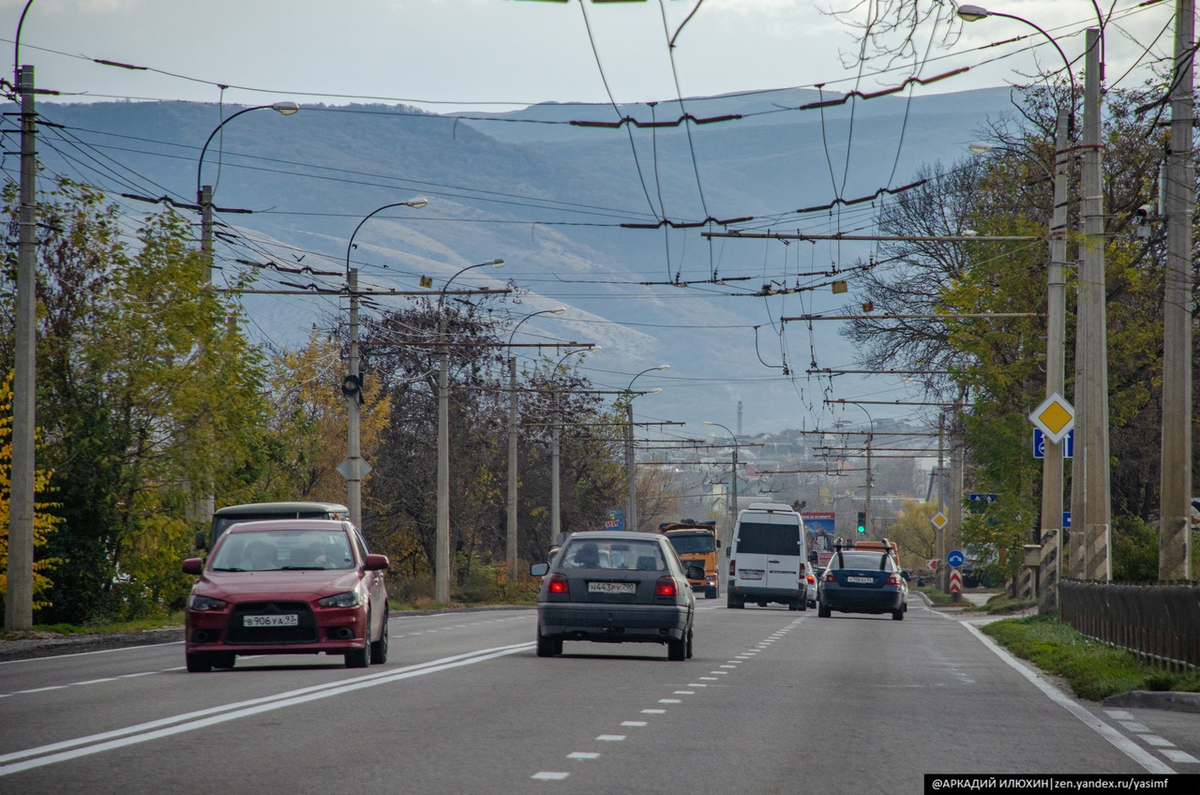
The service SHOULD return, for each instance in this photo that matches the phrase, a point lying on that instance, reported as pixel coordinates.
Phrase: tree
(44, 520)
(306, 437)
(148, 392)
(400, 351)
(913, 533)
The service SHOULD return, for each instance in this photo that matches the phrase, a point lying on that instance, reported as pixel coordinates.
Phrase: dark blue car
(862, 581)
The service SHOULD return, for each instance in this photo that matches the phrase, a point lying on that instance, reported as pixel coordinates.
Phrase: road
(773, 701)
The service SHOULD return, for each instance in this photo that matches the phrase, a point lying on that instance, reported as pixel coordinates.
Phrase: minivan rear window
(758, 538)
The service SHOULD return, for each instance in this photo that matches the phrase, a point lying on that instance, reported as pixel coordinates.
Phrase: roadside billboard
(820, 534)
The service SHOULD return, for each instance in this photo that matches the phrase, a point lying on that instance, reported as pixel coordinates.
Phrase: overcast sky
(449, 54)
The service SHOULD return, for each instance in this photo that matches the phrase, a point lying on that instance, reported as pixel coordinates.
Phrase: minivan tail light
(558, 584)
(665, 587)
(732, 569)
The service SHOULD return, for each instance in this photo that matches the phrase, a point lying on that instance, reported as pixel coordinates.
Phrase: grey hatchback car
(616, 587)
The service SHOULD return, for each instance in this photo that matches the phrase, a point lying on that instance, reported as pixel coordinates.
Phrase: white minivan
(768, 560)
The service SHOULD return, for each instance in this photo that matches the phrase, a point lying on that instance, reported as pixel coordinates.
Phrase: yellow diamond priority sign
(939, 520)
(1055, 417)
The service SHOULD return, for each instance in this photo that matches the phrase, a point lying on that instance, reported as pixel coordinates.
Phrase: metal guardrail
(1158, 622)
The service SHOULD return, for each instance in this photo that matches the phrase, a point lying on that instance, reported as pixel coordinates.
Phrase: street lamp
(974, 13)
(630, 464)
(511, 539)
(734, 483)
(555, 455)
(204, 193)
(355, 469)
(442, 558)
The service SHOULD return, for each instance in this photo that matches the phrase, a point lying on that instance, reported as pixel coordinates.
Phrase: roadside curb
(1173, 700)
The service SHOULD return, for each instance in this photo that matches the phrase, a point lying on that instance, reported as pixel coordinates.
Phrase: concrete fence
(1159, 622)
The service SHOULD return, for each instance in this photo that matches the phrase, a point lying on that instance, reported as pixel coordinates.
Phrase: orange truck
(881, 546)
(696, 542)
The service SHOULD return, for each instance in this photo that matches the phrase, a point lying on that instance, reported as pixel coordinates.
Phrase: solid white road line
(178, 724)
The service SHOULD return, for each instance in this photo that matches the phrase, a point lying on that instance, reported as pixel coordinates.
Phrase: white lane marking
(86, 653)
(697, 684)
(654, 712)
(1180, 756)
(546, 775)
(583, 755)
(633, 723)
(728, 666)
(722, 673)
(1134, 726)
(611, 738)
(1156, 741)
(670, 701)
(1119, 714)
(686, 692)
(710, 678)
(1123, 743)
(37, 690)
(95, 681)
(178, 724)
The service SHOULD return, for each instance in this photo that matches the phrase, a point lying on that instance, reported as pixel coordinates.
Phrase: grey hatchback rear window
(612, 554)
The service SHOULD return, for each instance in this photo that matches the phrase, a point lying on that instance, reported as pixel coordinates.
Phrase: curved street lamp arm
(17, 45)
(416, 203)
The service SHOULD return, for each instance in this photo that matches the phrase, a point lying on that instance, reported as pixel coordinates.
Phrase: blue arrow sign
(955, 558)
(1067, 520)
(1039, 444)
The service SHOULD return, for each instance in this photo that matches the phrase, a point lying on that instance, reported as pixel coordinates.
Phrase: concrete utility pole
(939, 533)
(354, 468)
(441, 571)
(1174, 548)
(352, 389)
(733, 481)
(954, 539)
(631, 519)
(1094, 329)
(1050, 563)
(18, 597)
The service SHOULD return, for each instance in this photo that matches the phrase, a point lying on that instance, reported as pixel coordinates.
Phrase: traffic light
(862, 521)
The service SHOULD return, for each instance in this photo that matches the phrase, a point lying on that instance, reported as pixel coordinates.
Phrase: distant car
(862, 581)
(813, 576)
(616, 587)
(296, 586)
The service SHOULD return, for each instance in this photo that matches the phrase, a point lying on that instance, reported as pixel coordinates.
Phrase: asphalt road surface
(772, 702)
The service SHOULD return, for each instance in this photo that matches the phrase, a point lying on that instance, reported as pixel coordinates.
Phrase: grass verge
(1093, 670)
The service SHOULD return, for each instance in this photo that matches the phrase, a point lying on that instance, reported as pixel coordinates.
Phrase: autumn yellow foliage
(44, 521)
